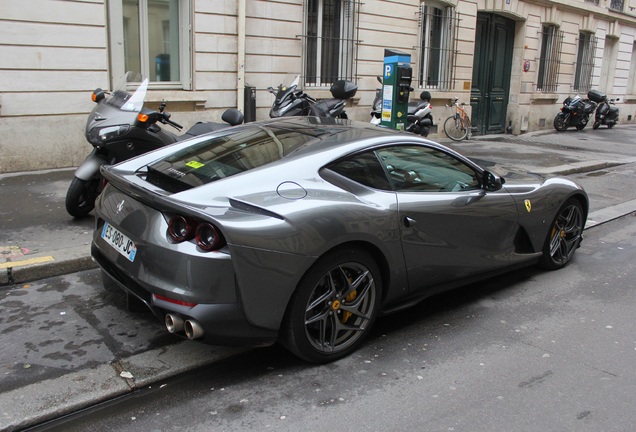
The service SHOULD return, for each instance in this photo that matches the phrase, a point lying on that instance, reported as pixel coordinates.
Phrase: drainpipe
(240, 83)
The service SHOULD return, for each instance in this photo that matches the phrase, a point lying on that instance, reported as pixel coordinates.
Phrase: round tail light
(180, 229)
(209, 238)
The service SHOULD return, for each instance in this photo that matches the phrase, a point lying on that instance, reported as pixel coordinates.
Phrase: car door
(451, 227)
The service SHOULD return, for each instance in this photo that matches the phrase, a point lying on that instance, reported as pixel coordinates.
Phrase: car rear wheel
(564, 236)
(334, 307)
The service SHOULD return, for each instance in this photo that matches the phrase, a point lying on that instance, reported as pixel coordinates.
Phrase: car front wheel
(334, 307)
(564, 236)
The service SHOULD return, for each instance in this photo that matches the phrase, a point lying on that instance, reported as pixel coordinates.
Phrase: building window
(616, 5)
(584, 62)
(151, 37)
(330, 41)
(551, 41)
(438, 26)
(608, 67)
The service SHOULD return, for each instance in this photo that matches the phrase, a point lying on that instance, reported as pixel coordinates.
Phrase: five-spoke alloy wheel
(564, 236)
(334, 306)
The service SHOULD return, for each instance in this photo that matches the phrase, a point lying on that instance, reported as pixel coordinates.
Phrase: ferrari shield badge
(528, 205)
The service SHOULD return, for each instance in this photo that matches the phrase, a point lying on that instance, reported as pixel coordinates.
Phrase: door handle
(409, 222)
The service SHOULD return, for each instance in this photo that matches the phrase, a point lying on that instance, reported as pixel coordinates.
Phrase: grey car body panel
(280, 218)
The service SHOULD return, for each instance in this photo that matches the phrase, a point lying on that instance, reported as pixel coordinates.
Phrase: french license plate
(119, 241)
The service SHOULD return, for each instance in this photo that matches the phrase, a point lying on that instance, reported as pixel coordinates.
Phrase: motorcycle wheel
(610, 125)
(596, 125)
(560, 122)
(80, 197)
(581, 126)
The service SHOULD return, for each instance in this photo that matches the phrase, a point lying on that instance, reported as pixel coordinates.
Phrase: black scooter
(420, 118)
(292, 101)
(605, 114)
(119, 128)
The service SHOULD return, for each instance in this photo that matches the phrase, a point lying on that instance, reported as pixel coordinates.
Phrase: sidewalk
(39, 239)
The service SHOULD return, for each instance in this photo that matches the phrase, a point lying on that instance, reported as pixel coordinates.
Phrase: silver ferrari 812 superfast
(304, 230)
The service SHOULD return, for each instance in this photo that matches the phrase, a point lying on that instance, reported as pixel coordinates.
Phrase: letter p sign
(387, 71)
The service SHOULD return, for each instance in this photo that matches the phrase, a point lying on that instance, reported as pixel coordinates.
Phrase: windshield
(130, 93)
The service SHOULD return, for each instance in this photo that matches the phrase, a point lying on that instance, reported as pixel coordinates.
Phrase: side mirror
(492, 182)
(98, 94)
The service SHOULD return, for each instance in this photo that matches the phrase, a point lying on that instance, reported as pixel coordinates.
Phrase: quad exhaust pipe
(193, 329)
(176, 324)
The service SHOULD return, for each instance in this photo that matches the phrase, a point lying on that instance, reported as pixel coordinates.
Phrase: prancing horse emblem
(120, 206)
(528, 205)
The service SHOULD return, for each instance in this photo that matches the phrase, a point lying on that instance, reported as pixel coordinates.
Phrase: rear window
(224, 156)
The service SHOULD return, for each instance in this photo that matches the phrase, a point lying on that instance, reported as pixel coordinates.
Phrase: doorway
(492, 64)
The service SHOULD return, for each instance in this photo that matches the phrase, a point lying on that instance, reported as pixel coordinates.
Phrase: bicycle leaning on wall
(457, 126)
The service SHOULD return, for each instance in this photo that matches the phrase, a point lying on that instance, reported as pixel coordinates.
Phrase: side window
(423, 169)
(364, 169)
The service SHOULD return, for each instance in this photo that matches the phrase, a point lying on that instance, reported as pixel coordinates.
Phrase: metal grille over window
(331, 38)
(551, 41)
(584, 62)
(438, 47)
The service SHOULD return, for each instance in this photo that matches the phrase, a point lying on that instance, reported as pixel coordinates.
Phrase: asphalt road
(528, 351)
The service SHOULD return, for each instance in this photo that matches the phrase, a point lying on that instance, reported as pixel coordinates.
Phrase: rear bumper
(223, 324)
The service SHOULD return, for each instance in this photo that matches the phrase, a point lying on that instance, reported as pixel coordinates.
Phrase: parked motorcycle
(575, 111)
(119, 128)
(292, 101)
(605, 114)
(419, 116)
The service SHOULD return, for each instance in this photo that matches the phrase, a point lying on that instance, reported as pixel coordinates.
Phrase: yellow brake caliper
(346, 315)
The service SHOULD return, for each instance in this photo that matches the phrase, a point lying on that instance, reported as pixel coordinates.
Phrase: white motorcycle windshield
(136, 101)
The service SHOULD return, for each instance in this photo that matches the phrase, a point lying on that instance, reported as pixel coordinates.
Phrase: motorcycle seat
(613, 109)
(323, 107)
(231, 117)
(201, 128)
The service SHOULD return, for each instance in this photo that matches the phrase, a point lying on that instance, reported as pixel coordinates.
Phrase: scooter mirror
(98, 94)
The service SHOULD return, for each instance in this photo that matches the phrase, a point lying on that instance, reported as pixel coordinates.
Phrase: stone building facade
(511, 61)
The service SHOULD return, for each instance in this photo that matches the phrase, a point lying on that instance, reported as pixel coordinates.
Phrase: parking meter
(396, 87)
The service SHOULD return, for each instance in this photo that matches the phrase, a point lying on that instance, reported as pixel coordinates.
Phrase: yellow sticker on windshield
(528, 205)
(195, 164)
